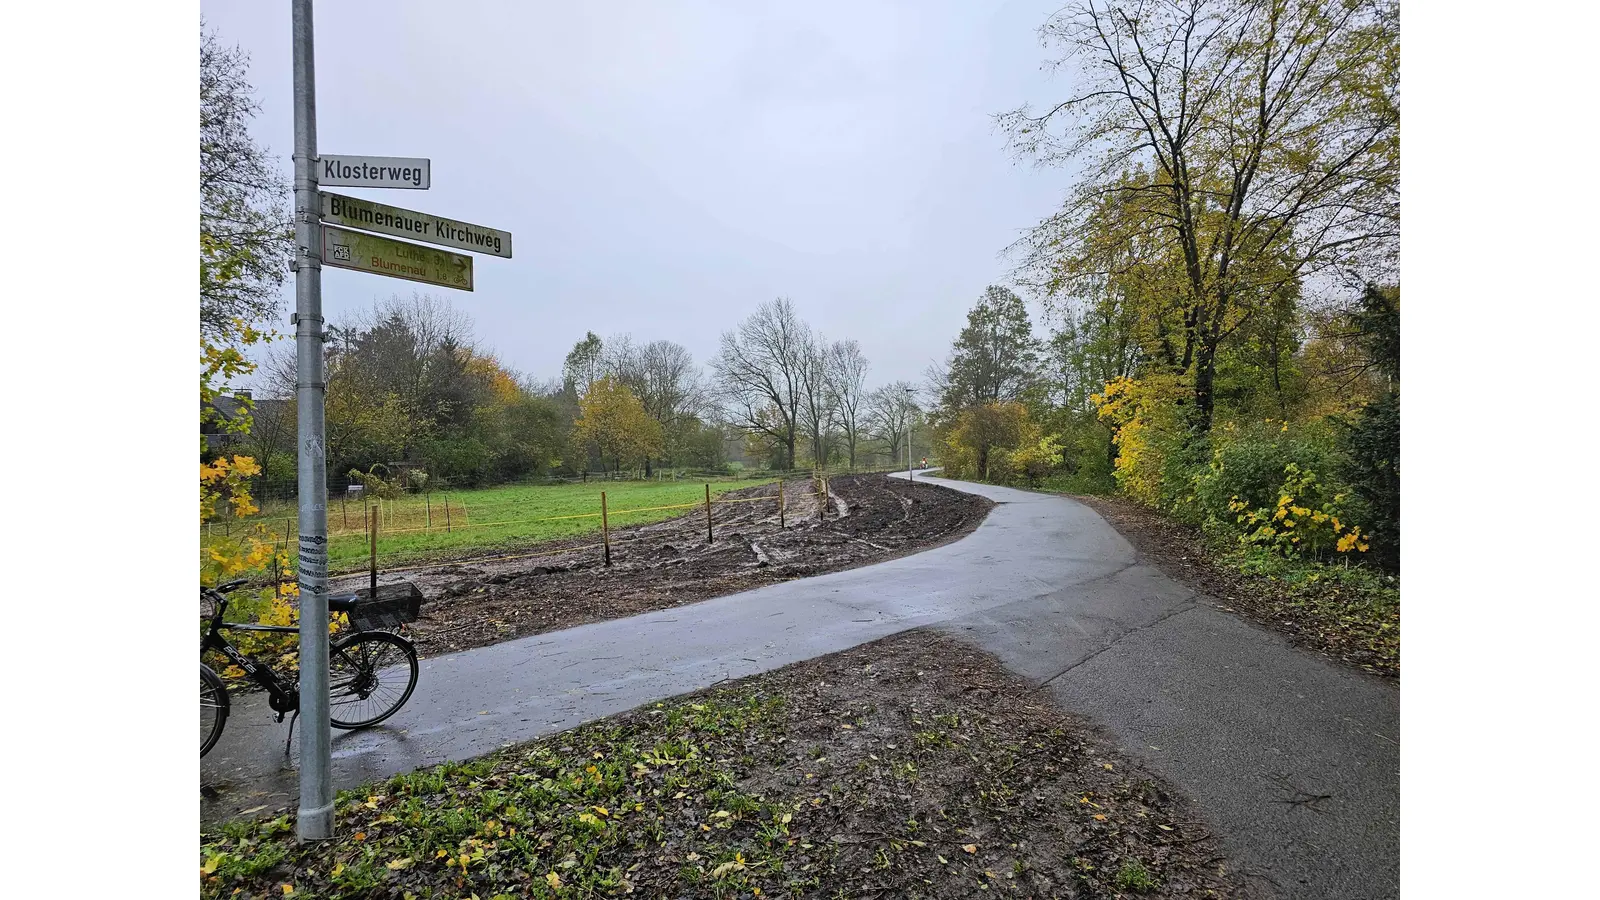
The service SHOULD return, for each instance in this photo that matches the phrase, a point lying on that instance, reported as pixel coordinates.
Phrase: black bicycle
(371, 673)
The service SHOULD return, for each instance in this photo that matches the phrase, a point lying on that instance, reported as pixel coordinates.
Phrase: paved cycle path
(1293, 758)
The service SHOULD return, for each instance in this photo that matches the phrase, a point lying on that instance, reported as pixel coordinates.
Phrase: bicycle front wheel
(213, 708)
(371, 674)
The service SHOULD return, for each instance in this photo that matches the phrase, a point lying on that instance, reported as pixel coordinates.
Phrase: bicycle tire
(365, 665)
(214, 705)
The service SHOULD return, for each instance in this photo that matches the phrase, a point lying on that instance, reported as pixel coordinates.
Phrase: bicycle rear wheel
(371, 674)
(213, 708)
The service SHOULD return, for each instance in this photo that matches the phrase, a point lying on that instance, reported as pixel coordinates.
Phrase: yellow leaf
(787, 818)
(1108, 767)
(970, 848)
(211, 864)
(553, 880)
(337, 869)
(1099, 817)
(396, 865)
(287, 889)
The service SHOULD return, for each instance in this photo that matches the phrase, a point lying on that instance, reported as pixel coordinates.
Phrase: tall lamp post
(910, 404)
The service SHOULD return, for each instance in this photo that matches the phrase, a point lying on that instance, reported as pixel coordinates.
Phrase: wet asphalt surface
(1292, 758)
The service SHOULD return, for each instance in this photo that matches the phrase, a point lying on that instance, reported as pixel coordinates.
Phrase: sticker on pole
(402, 172)
(418, 226)
(397, 259)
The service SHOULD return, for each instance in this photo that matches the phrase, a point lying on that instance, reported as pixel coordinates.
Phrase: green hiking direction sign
(397, 259)
(418, 226)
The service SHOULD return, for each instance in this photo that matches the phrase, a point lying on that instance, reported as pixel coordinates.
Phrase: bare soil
(868, 518)
(915, 767)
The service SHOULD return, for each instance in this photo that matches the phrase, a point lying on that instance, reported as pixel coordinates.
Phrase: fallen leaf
(1108, 767)
(396, 865)
(211, 864)
(553, 880)
(1099, 817)
(970, 848)
(360, 836)
(287, 889)
(337, 869)
(1163, 828)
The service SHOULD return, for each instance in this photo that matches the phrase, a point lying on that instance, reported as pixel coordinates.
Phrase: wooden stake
(709, 538)
(344, 514)
(374, 556)
(427, 500)
(780, 503)
(446, 513)
(605, 528)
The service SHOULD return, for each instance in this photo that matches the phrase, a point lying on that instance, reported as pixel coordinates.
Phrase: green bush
(1247, 464)
(1371, 466)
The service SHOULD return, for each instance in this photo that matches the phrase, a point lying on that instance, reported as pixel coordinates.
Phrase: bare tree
(891, 411)
(818, 401)
(848, 375)
(759, 374)
(272, 430)
(662, 374)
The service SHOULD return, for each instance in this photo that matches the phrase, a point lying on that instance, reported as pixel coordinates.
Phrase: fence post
(373, 582)
(780, 502)
(344, 515)
(605, 528)
(427, 500)
(709, 539)
(446, 513)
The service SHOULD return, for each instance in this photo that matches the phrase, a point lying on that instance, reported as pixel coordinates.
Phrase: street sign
(405, 172)
(420, 226)
(397, 259)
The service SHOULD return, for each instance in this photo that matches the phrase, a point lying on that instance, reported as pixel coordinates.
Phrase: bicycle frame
(281, 697)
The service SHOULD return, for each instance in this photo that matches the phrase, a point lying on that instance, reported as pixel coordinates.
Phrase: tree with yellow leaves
(613, 422)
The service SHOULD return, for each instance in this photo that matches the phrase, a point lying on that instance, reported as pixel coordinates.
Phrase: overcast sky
(663, 167)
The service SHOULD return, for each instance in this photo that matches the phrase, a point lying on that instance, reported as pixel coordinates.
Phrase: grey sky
(664, 167)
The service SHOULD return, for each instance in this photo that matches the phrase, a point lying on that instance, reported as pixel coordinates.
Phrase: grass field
(416, 529)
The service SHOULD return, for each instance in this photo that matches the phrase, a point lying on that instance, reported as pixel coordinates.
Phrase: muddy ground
(867, 518)
(911, 767)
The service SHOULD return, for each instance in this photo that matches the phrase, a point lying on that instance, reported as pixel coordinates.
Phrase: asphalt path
(1293, 759)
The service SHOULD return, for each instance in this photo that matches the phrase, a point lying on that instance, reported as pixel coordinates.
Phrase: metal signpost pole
(315, 819)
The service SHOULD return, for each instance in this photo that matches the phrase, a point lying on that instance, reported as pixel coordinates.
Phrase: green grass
(487, 519)
(1133, 876)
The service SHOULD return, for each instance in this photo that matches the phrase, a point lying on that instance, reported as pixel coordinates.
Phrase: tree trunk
(647, 467)
(1205, 377)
